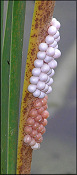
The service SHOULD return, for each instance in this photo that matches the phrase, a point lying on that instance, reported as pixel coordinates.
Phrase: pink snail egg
(49, 39)
(57, 53)
(35, 126)
(52, 30)
(42, 95)
(45, 114)
(50, 81)
(53, 64)
(43, 46)
(27, 139)
(57, 39)
(40, 110)
(30, 121)
(31, 88)
(43, 77)
(36, 72)
(38, 63)
(40, 140)
(45, 107)
(37, 93)
(45, 68)
(45, 122)
(50, 51)
(44, 101)
(38, 118)
(50, 71)
(53, 21)
(33, 133)
(46, 88)
(57, 24)
(56, 35)
(28, 129)
(36, 146)
(53, 72)
(44, 130)
(33, 113)
(46, 97)
(54, 44)
(48, 59)
(49, 90)
(34, 80)
(40, 85)
(41, 55)
(37, 104)
(33, 142)
(40, 128)
(39, 136)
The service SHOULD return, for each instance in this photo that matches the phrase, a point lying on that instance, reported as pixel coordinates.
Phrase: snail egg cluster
(41, 79)
(36, 123)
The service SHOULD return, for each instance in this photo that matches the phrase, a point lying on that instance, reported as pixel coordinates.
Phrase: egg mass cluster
(41, 79)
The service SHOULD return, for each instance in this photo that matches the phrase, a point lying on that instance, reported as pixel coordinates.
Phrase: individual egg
(40, 140)
(38, 63)
(37, 93)
(46, 88)
(45, 114)
(40, 110)
(48, 59)
(45, 107)
(33, 113)
(57, 53)
(46, 96)
(49, 40)
(45, 68)
(35, 126)
(54, 44)
(45, 122)
(30, 121)
(43, 131)
(28, 129)
(57, 24)
(56, 47)
(47, 80)
(40, 128)
(50, 82)
(33, 133)
(27, 139)
(37, 104)
(34, 80)
(52, 73)
(43, 46)
(49, 90)
(50, 51)
(36, 72)
(40, 85)
(57, 39)
(33, 142)
(44, 101)
(39, 136)
(43, 77)
(56, 35)
(41, 55)
(38, 118)
(42, 95)
(53, 21)
(52, 30)
(31, 88)
(53, 64)
(36, 146)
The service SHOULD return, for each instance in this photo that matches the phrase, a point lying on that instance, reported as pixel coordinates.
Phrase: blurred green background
(57, 154)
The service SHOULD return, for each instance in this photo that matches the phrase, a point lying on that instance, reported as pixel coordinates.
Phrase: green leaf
(14, 82)
(2, 8)
(5, 86)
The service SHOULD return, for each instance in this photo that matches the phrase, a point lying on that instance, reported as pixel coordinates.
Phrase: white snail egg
(34, 80)
(37, 93)
(31, 88)
(46, 88)
(52, 30)
(49, 39)
(49, 90)
(45, 68)
(53, 72)
(40, 85)
(50, 71)
(38, 63)
(54, 44)
(36, 71)
(43, 77)
(53, 21)
(50, 81)
(36, 146)
(48, 59)
(56, 47)
(50, 51)
(42, 95)
(57, 24)
(53, 64)
(43, 46)
(41, 55)
(56, 35)
(58, 39)
(57, 53)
